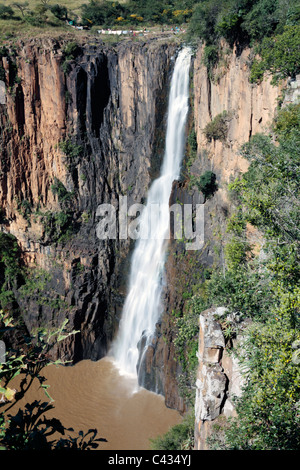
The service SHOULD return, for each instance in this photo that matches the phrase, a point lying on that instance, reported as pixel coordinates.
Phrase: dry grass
(72, 5)
(14, 29)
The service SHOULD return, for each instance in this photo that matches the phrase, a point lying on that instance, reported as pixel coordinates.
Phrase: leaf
(44, 387)
(9, 394)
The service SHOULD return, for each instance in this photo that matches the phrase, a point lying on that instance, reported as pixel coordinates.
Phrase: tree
(23, 7)
(217, 129)
(61, 12)
(279, 55)
(203, 22)
(207, 184)
(6, 12)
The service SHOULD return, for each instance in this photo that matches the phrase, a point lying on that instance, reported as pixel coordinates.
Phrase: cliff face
(250, 109)
(219, 377)
(71, 141)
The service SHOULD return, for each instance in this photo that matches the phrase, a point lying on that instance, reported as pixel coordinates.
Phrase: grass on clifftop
(16, 28)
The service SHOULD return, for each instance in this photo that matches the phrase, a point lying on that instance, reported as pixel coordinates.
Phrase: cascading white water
(142, 306)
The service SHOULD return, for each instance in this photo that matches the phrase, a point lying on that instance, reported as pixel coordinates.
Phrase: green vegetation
(10, 268)
(179, 437)
(263, 289)
(266, 290)
(30, 428)
(59, 226)
(186, 346)
(71, 150)
(59, 11)
(70, 52)
(206, 184)
(6, 12)
(136, 12)
(242, 21)
(60, 190)
(279, 55)
(270, 26)
(217, 129)
(33, 15)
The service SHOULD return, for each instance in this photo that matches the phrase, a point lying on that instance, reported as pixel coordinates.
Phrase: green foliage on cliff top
(279, 55)
(266, 289)
(242, 21)
(273, 25)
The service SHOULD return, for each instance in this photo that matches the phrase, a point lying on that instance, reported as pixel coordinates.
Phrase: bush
(59, 227)
(70, 52)
(287, 120)
(247, 22)
(102, 13)
(192, 140)
(2, 73)
(262, 19)
(266, 289)
(37, 18)
(210, 57)
(71, 150)
(9, 258)
(6, 12)
(217, 129)
(203, 22)
(59, 11)
(207, 184)
(179, 437)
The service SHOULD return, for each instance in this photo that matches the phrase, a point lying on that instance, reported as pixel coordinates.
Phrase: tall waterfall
(142, 307)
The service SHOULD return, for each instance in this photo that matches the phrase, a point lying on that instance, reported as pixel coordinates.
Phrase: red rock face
(107, 108)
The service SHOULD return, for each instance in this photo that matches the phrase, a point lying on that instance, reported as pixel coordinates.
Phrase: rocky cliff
(82, 130)
(219, 379)
(71, 140)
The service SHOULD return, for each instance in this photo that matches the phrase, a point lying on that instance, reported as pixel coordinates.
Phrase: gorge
(142, 308)
(75, 137)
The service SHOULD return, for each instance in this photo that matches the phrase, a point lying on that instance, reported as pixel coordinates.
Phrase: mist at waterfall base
(142, 308)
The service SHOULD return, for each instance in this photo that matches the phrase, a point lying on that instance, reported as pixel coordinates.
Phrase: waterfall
(142, 307)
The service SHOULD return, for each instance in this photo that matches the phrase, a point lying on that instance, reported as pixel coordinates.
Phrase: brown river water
(95, 395)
